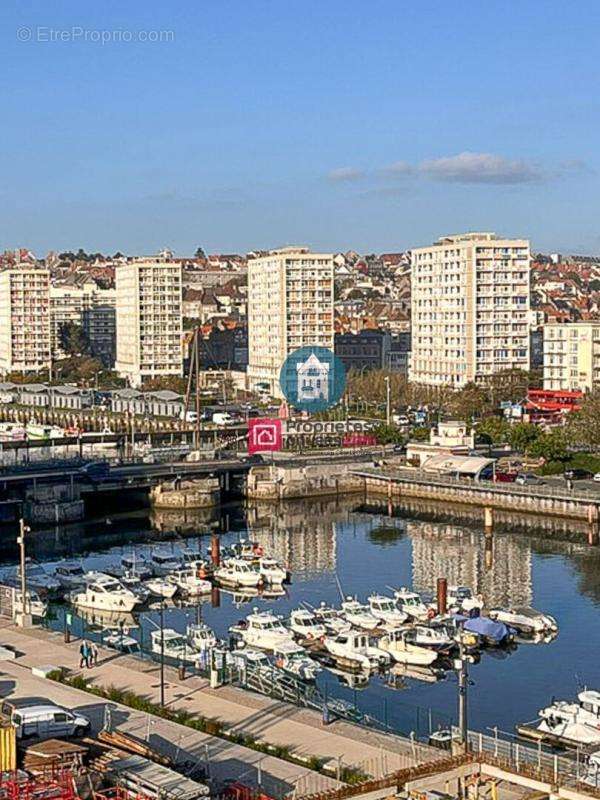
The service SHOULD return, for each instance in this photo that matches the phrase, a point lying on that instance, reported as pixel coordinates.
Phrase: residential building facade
(470, 308)
(368, 349)
(572, 356)
(24, 319)
(290, 305)
(93, 309)
(149, 320)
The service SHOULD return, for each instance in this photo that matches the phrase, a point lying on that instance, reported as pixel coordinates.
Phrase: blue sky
(370, 125)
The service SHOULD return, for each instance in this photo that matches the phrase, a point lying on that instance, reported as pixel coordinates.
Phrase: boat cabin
(589, 700)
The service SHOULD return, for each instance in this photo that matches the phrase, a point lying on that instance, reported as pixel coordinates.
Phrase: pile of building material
(143, 777)
(53, 753)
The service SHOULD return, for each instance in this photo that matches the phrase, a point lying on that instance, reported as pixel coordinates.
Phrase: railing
(443, 481)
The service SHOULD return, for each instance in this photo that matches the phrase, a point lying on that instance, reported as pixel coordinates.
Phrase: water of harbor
(333, 544)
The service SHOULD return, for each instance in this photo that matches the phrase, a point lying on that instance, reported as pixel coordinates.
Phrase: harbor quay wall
(525, 500)
(278, 482)
(179, 495)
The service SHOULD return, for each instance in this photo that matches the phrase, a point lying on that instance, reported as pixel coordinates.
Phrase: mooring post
(593, 524)
(442, 595)
(488, 520)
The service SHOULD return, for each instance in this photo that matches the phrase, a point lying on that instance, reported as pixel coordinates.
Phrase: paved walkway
(270, 721)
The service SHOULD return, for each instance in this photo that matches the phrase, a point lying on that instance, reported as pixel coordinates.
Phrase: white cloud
(345, 174)
(399, 169)
(481, 168)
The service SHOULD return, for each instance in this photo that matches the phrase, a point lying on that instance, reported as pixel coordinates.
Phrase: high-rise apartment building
(149, 320)
(470, 308)
(84, 303)
(290, 305)
(572, 356)
(24, 319)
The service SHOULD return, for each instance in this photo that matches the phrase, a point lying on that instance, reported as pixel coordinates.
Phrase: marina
(404, 686)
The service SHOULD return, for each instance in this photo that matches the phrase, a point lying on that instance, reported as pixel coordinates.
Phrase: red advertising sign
(264, 435)
(359, 440)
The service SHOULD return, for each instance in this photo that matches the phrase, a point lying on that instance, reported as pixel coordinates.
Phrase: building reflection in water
(459, 554)
(303, 536)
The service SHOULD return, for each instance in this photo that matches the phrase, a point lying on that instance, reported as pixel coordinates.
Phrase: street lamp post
(162, 652)
(388, 407)
(460, 665)
(23, 530)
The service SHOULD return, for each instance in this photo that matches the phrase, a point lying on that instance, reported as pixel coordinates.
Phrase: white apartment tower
(572, 356)
(85, 304)
(290, 305)
(470, 308)
(149, 320)
(24, 319)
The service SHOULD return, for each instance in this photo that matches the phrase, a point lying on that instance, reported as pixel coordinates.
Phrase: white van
(44, 720)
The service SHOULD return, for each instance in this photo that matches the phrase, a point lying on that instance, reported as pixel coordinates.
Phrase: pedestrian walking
(83, 654)
(93, 655)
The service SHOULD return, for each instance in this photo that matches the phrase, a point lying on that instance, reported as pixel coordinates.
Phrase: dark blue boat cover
(484, 626)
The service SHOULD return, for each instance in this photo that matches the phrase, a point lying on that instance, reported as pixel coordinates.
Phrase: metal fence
(444, 481)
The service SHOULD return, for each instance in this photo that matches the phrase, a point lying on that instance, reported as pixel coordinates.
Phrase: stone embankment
(283, 482)
(179, 495)
(399, 484)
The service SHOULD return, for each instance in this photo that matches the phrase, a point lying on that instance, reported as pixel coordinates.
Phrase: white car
(597, 477)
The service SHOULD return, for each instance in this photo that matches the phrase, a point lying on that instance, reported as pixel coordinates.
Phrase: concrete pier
(193, 493)
(550, 502)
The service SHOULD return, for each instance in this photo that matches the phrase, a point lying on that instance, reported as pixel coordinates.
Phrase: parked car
(529, 479)
(578, 475)
(597, 477)
(505, 477)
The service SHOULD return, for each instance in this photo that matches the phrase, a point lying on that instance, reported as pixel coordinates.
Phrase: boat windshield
(160, 559)
(384, 605)
(173, 641)
(463, 593)
(411, 600)
(71, 570)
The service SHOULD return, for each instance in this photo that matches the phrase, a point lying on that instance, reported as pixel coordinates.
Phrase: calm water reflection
(327, 542)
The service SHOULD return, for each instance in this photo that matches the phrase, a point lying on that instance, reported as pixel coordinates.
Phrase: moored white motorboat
(174, 645)
(292, 658)
(238, 572)
(134, 583)
(187, 581)
(160, 587)
(34, 604)
(435, 637)
(305, 625)
(412, 604)
(462, 598)
(37, 578)
(70, 575)
(201, 636)
(121, 641)
(135, 564)
(164, 562)
(355, 649)
(403, 651)
(263, 630)
(246, 549)
(271, 571)
(331, 618)
(106, 593)
(569, 724)
(525, 619)
(386, 611)
(358, 615)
